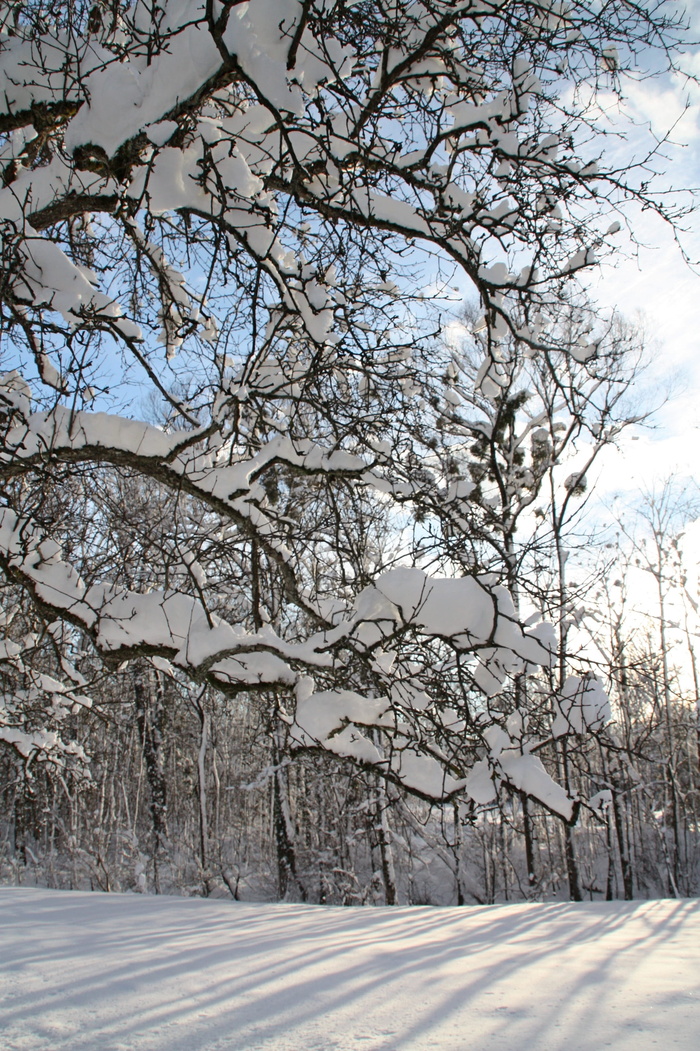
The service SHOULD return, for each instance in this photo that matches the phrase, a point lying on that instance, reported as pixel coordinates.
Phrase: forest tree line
(189, 791)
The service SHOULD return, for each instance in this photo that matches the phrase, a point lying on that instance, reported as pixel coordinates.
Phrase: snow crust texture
(126, 973)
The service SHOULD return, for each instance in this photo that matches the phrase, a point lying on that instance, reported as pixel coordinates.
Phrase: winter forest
(306, 591)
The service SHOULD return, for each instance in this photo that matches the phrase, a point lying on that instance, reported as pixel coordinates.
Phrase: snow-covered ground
(95, 972)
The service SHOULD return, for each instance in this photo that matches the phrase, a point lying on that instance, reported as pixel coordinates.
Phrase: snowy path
(93, 972)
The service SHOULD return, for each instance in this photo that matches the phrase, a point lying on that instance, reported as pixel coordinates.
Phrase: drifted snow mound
(128, 973)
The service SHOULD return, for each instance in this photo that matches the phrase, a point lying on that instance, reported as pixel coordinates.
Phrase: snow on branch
(223, 229)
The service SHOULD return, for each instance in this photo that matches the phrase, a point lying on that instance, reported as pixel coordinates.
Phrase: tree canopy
(246, 210)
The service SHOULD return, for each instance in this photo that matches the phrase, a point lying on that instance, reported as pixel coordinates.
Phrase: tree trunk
(458, 853)
(385, 848)
(569, 848)
(204, 725)
(285, 838)
(529, 844)
(150, 714)
(623, 848)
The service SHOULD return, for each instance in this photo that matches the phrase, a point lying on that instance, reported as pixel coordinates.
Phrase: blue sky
(653, 282)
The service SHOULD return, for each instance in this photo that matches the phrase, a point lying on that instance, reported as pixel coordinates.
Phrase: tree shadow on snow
(189, 975)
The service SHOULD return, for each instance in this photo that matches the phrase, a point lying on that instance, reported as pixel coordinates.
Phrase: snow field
(95, 972)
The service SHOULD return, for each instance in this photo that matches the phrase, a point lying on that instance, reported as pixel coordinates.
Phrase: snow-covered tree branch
(241, 211)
